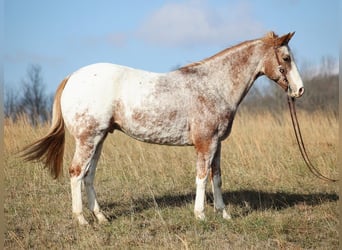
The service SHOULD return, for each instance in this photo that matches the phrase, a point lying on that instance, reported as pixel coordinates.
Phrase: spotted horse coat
(194, 105)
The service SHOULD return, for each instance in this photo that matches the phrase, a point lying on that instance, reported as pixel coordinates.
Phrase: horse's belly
(162, 128)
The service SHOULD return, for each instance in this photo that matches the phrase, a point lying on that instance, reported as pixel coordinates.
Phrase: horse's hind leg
(87, 147)
(88, 182)
(76, 176)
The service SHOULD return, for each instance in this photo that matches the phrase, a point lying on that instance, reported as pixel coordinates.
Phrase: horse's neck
(234, 70)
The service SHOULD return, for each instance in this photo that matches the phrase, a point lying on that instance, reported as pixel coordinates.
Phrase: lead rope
(291, 102)
(312, 168)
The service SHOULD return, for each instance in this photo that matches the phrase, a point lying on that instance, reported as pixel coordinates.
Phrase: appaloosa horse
(194, 105)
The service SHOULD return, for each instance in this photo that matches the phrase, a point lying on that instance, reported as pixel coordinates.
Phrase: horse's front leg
(216, 183)
(205, 154)
(201, 182)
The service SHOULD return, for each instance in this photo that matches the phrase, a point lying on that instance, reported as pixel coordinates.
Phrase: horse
(193, 105)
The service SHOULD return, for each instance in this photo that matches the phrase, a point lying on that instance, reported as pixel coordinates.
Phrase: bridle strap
(282, 71)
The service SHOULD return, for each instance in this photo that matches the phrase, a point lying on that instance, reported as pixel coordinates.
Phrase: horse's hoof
(200, 216)
(101, 218)
(226, 216)
(81, 220)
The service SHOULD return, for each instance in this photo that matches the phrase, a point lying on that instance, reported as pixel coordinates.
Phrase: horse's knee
(75, 170)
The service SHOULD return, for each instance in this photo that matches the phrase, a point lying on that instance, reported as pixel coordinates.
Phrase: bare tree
(321, 91)
(30, 99)
(33, 101)
(10, 102)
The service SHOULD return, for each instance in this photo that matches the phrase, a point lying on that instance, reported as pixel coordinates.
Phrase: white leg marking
(200, 196)
(89, 186)
(76, 196)
(218, 200)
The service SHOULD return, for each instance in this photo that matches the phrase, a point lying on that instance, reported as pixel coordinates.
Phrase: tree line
(321, 93)
(30, 99)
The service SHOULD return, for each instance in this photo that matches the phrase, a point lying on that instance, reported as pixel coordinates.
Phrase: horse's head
(279, 64)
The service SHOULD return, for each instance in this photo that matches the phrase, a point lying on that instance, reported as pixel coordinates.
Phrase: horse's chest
(225, 123)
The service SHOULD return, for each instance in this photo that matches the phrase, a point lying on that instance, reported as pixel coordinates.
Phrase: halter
(283, 72)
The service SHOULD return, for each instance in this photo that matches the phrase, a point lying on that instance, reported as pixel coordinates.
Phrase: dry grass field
(147, 192)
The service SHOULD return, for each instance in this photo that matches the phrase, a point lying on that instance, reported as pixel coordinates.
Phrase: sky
(63, 36)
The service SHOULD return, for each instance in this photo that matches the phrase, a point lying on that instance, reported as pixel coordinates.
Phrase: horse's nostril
(301, 91)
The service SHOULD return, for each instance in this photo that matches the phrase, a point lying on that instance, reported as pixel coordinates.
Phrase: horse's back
(103, 79)
(93, 90)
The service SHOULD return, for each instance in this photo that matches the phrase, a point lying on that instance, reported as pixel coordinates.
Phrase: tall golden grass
(147, 191)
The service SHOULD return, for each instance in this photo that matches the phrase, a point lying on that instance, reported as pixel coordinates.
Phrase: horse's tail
(50, 148)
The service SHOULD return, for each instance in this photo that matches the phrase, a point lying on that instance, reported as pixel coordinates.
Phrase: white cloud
(193, 23)
(25, 56)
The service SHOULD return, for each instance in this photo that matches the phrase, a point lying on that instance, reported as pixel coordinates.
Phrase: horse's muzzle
(297, 93)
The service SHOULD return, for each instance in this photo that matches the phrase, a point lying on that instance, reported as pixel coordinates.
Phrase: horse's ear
(284, 40)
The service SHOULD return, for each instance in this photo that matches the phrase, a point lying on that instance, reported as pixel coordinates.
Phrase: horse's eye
(287, 58)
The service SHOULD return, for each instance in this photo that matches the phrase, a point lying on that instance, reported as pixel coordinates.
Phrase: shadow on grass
(254, 200)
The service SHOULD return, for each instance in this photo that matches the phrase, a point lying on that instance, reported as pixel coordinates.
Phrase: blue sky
(62, 36)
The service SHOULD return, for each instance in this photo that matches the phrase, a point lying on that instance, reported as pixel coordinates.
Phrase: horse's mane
(269, 38)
